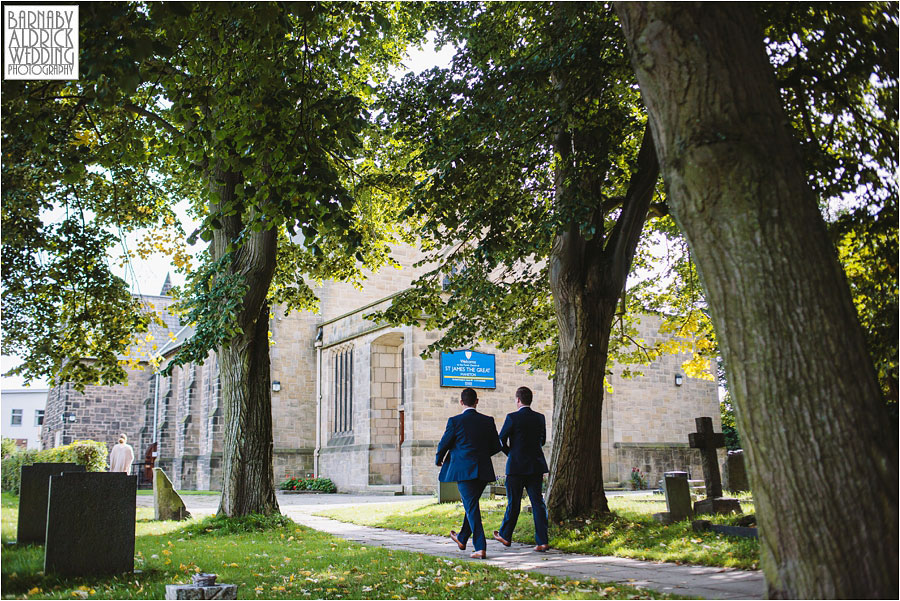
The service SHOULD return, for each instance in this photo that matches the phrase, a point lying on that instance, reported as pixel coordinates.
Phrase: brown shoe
(453, 536)
(497, 536)
(479, 555)
(542, 548)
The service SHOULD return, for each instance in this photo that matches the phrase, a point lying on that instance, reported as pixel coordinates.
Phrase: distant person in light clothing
(122, 456)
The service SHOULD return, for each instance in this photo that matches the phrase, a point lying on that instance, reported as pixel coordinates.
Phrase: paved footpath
(688, 581)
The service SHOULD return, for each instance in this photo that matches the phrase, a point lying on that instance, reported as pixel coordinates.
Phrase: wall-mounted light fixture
(276, 386)
(68, 417)
(679, 379)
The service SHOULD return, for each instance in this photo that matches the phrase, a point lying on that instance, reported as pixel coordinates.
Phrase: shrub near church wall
(89, 453)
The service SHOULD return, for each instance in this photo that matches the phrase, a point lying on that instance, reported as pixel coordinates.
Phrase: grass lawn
(630, 532)
(274, 558)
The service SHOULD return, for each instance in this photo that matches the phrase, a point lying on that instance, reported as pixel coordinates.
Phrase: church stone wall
(340, 298)
(433, 405)
(293, 360)
(389, 379)
(399, 410)
(100, 413)
(647, 419)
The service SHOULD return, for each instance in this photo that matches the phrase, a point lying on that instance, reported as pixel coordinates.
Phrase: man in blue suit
(464, 455)
(522, 436)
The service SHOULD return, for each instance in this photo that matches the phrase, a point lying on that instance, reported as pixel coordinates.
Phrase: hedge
(319, 484)
(89, 453)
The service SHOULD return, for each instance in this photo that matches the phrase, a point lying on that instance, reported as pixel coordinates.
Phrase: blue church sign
(468, 369)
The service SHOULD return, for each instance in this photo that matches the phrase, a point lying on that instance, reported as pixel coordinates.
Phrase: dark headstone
(734, 472)
(90, 524)
(35, 485)
(717, 505)
(708, 441)
(447, 492)
(678, 498)
(167, 503)
(704, 525)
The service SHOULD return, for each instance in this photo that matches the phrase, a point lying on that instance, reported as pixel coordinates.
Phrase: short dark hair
(523, 394)
(468, 397)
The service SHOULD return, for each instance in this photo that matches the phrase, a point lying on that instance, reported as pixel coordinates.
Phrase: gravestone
(35, 483)
(203, 586)
(447, 492)
(678, 498)
(90, 524)
(167, 503)
(708, 441)
(704, 525)
(734, 472)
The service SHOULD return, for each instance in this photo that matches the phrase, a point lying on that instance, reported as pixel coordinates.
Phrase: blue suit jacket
(466, 448)
(523, 434)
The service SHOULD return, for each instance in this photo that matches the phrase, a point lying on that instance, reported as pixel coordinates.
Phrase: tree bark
(822, 458)
(587, 277)
(248, 480)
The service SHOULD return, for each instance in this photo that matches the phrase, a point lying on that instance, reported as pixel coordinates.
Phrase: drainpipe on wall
(318, 345)
(156, 411)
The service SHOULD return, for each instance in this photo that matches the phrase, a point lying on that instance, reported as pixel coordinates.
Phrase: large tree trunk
(585, 319)
(587, 277)
(822, 459)
(248, 478)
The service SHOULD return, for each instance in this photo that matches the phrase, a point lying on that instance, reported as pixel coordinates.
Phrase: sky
(147, 276)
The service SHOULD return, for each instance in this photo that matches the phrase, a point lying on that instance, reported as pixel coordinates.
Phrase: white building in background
(23, 415)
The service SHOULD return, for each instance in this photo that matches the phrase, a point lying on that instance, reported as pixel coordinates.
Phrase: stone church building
(353, 401)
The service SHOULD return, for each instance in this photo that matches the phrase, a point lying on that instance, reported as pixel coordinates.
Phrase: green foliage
(223, 526)
(319, 484)
(729, 427)
(257, 114)
(637, 480)
(837, 67)
(480, 141)
(9, 447)
(89, 453)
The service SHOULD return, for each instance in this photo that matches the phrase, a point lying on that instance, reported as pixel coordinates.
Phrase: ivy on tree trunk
(248, 478)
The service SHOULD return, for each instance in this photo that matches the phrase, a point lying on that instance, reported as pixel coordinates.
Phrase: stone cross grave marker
(90, 523)
(708, 441)
(33, 492)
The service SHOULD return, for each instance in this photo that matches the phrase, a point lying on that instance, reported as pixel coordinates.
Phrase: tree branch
(625, 234)
(130, 106)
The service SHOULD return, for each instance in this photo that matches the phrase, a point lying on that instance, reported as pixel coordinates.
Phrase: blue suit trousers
(514, 485)
(470, 493)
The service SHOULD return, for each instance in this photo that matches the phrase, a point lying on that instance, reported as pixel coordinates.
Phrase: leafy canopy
(174, 99)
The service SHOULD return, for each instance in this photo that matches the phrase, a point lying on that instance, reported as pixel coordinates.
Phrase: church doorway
(385, 422)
